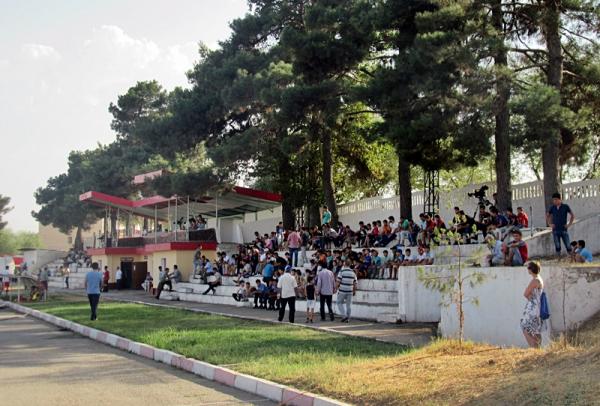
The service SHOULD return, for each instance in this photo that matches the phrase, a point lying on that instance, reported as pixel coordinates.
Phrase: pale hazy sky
(63, 61)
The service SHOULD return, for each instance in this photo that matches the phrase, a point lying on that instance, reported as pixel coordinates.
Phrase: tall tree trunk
(551, 147)
(78, 244)
(327, 175)
(404, 188)
(312, 215)
(288, 212)
(502, 115)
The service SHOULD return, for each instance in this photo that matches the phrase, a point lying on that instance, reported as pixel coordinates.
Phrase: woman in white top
(531, 323)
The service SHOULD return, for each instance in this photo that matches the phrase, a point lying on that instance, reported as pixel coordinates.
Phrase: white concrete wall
(586, 228)
(583, 197)
(38, 258)
(496, 318)
(416, 302)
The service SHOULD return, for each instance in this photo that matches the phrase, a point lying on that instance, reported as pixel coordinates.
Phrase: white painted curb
(285, 395)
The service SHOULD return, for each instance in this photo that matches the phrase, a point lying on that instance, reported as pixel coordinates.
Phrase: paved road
(410, 334)
(43, 365)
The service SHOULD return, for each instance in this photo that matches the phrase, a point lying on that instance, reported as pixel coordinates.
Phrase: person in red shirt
(522, 218)
(105, 278)
(516, 251)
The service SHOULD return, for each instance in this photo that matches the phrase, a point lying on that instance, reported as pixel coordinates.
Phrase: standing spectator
(557, 220)
(5, 280)
(531, 322)
(119, 278)
(326, 219)
(66, 273)
(93, 284)
(294, 242)
(325, 289)
(346, 284)
(197, 261)
(43, 279)
(176, 275)
(105, 278)
(163, 279)
(309, 292)
(287, 292)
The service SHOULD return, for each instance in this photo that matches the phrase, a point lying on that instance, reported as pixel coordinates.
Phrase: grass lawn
(358, 370)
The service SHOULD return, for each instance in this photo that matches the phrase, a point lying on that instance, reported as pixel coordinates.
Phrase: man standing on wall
(93, 284)
(556, 217)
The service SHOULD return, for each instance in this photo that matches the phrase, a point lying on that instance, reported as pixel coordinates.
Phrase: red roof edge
(259, 194)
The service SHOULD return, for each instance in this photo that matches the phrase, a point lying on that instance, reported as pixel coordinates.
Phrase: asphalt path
(41, 364)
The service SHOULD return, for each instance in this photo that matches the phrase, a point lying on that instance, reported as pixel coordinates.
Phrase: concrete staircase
(375, 299)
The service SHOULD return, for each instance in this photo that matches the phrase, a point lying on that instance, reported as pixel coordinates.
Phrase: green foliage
(451, 280)
(4, 208)
(11, 242)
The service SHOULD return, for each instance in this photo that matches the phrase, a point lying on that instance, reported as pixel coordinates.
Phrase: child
(522, 218)
(309, 292)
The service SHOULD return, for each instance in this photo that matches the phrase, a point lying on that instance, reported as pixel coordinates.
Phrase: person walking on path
(287, 287)
(119, 278)
(93, 284)
(556, 217)
(346, 284)
(531, 322)
(326, 289)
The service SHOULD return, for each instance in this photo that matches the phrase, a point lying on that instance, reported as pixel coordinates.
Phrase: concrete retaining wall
(496, 318)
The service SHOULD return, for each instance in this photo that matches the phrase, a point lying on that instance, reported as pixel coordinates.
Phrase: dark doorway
(139, 274)
(126, 268)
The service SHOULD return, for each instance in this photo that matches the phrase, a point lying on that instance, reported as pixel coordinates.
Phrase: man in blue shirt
(268, 271)
(93, 284)
(556, 217)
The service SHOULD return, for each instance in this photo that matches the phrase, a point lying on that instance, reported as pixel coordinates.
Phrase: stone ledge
(270, 390)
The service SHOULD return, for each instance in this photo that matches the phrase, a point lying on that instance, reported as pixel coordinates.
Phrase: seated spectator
(516, 250)
(513, 220)
(375, 265)
(582, 254)
(396, 263)
(147, 285)
(386, 264)
(241, 293)
(425, 256)
(387, 234)
(261, 295)
(409, 258)
(497, 256)
(522, 218)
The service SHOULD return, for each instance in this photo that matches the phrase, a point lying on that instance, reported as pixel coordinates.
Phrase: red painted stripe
(258, 194)
(151, 248)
